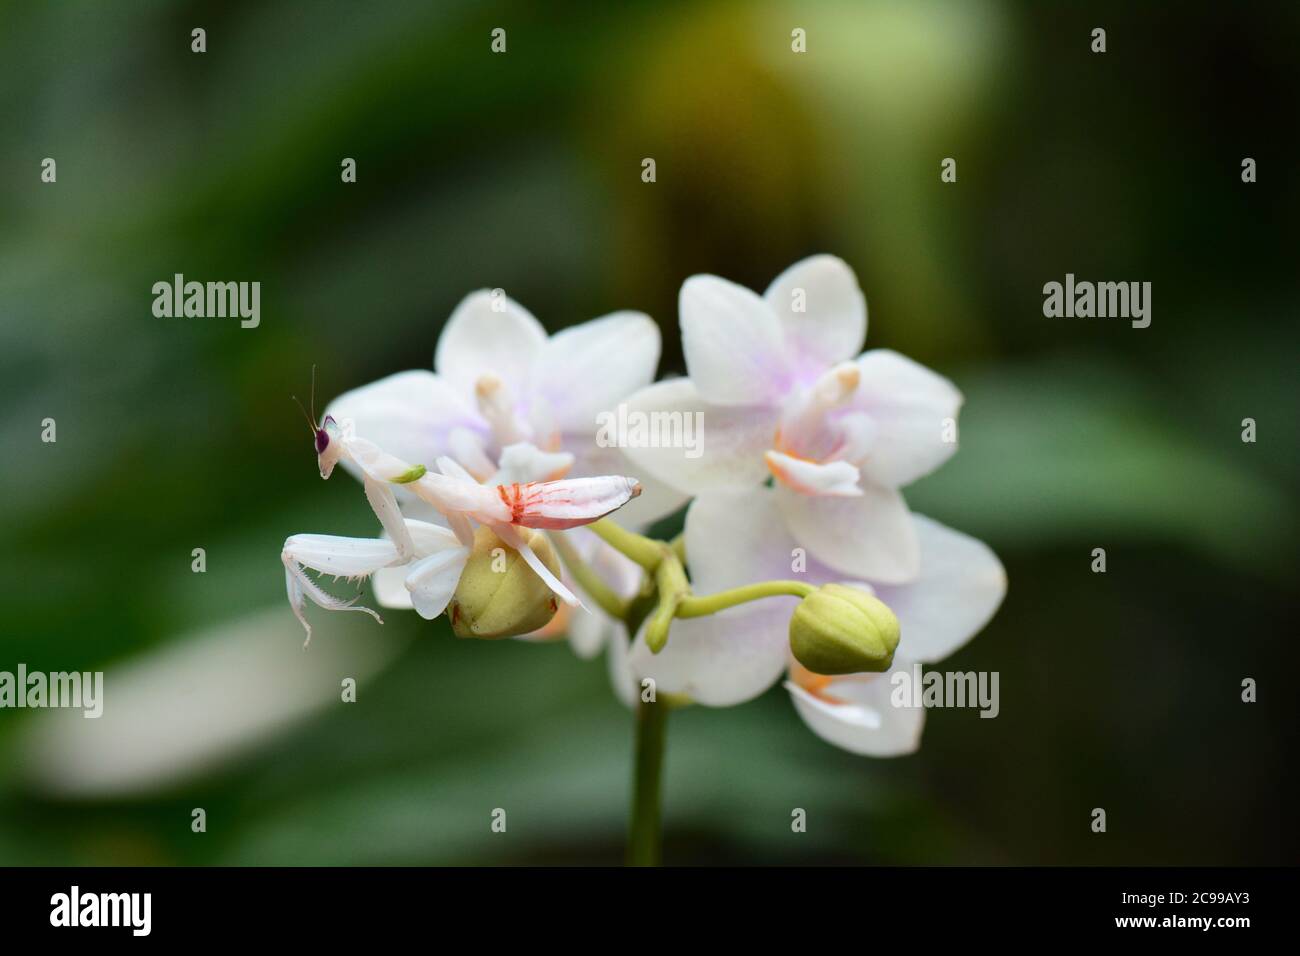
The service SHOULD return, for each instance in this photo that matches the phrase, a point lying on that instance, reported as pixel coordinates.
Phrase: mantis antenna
(311, 420)
(310, 424)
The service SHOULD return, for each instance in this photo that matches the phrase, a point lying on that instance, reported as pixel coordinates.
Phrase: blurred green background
(522, 170)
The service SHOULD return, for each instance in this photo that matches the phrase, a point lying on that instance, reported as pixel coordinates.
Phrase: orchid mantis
(433, 556)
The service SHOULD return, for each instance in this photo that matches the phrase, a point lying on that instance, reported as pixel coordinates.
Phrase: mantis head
(328, 436)
(329, 445)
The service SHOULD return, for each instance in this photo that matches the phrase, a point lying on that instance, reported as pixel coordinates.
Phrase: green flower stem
(670, 581)
(678, 544)
(665, 596)
(644, 551)
(588, 579)
(644, 833)
(700, 606)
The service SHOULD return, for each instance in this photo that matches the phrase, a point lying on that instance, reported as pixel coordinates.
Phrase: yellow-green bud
(499, 595)
(843, 630)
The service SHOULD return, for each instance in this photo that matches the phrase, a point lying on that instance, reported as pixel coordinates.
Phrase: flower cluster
(799, 557)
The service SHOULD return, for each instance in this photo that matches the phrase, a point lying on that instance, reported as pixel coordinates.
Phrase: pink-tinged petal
(479, 340)
(734, 539)
(733, 343)
(832, 478)
(672, 433)
(809, 423)
(855, 436)
(833, 323)
(915, 413)
(568, 503)
(411, 415)
(961, 585)
(857, 715)
(589, 368)
(871, 537)
(721, 660)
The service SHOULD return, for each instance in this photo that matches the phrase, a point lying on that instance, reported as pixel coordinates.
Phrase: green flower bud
(499, 595)
(843, 630)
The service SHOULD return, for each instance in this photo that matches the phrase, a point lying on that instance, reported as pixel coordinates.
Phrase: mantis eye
(322, 440)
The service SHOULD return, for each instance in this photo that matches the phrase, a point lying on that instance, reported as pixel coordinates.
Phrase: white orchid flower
(432, 557)
(501, 381)
(731, 657)
(784, 393)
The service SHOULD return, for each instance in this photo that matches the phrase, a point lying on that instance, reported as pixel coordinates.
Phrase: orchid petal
(914, 411)
(410, 414)
(871, 536)
(479, 340)
(467, 448)
(961, 585)
(589, 368)
(833, 323)
(857, 436)
(860, 717)
(524, 462)
(737, 539)
(588, 633)
(618, 663)
(834, 478)
(721, 660)
(733, 343)
(727, 442)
